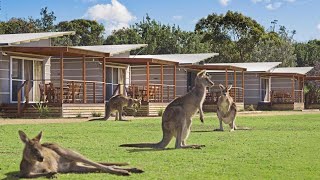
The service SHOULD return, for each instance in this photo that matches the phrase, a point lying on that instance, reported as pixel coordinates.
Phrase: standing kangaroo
(48, 159)
(226, 108)
(177, 117)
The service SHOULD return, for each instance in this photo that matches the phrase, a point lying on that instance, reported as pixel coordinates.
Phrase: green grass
(277, 147)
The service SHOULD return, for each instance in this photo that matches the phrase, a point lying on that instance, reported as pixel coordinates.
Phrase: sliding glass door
(114, 77)
(25, 69)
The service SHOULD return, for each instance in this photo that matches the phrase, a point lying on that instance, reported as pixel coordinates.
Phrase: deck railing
(214, 93)
(157, 92)
(286, 96)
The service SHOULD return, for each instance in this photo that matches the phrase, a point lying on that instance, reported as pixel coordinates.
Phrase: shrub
(250, 108)
(43, 110)
(96, 114)
(160, 112)
(78, 115)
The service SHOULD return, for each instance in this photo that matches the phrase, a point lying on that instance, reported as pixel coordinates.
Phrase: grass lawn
(277, 147)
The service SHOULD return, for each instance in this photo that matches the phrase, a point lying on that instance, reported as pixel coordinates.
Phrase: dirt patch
(77, 120)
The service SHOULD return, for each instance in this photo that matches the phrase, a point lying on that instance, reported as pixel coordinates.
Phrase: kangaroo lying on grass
(117, 103)
(48, 159)
(226, 108)
(177, 117)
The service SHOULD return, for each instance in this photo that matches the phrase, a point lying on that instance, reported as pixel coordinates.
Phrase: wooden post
(26, 91)
(73, 91)
(299, 87)
(84, 79)
(302, 89)
(235, 84)
(293, 98)
(104, 79)
(61, 77)
(148, 79)
(94, 92)
(242, 86)
(226, 78)
(174, 81)
(161, 82)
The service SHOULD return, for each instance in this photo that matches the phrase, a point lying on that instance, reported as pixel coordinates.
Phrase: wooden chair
(50, 92)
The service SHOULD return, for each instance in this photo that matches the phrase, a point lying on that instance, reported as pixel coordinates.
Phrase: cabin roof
(14, 39)
(112, 49)
(293, 70)
(179, 58)
(252, 66)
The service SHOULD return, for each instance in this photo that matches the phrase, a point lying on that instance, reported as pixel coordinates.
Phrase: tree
(88, 32)
(161, 39)
(233, 35)
(276, 46)
(308, 53)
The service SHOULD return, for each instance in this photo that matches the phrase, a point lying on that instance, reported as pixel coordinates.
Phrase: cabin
(181, 79)
(70, 81)
(284, 88)
(264, 84)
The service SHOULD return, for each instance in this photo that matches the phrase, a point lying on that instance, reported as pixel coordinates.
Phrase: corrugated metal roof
(296, 70)
(13, 39)
(253, 66)
(180, 58)
(112, 49)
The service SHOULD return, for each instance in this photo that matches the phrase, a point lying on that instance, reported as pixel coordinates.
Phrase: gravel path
(77, 120)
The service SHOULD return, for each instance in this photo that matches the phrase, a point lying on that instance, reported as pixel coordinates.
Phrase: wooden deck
(54, 110)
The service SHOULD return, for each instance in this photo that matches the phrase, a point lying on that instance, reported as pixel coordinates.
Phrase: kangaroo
(226, 108)
(177, 117)
(117, 103)
(48, 159)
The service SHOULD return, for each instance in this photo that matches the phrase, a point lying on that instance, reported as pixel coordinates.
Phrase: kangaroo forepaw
(52, 175)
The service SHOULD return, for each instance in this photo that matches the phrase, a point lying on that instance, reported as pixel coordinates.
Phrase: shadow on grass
(12, 175)
(148, 150)
(201, 131)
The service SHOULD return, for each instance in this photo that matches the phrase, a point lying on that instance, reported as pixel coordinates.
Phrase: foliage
(283, 146)
(276, 46)
(96, 114)
(161, 39)
(250, 108)
(42, 109)
(160, 112)
(308, 53)
(313, 87)
(88, 32)
(233, 35)
(78, 115)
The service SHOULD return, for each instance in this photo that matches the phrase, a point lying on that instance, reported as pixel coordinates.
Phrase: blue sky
(300, 15)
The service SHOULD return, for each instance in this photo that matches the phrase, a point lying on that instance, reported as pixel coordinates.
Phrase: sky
(300, 15)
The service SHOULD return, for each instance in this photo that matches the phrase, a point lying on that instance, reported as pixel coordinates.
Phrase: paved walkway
(77, 120)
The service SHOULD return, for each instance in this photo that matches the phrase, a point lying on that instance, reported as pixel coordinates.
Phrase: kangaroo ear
(221, 86)
(201, 73)
(23, 137)
(229, 87)
(39, 136)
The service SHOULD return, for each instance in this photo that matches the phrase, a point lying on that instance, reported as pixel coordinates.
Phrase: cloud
(224, 2)
(274, 6)
(318, 26)
(178, 17)
(114, 16)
